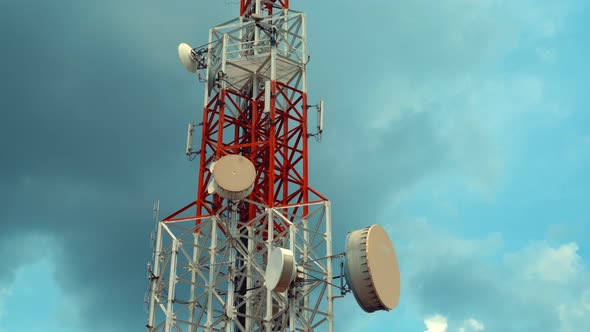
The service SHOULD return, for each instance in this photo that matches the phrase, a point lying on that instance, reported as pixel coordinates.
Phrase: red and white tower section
(253, 250)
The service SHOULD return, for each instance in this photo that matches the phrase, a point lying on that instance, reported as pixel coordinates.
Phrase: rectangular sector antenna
(189, 140)
(321, 110)
(267, 96)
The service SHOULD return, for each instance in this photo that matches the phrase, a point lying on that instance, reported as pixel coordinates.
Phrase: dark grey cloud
(94, 107)
(17, 248)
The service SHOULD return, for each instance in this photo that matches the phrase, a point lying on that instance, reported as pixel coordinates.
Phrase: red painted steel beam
(247, 7)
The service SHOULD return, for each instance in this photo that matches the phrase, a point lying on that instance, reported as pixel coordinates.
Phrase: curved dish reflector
(185, 53)
(211, 81)
(211, 188)
(233, 177)
(280, 270)
(371, 269)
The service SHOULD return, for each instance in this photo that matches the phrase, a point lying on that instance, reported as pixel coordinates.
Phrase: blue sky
(461, 126)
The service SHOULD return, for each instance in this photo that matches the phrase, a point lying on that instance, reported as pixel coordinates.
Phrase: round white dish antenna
(187, 57)
(371, 269)
(257, 17)
(281, 269)
(211, 188)
(233, 177)
(211, 81)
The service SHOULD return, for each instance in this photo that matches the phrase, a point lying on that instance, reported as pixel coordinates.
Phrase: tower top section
(249, 7)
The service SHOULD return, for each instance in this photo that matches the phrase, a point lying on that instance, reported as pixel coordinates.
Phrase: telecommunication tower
(253, 251)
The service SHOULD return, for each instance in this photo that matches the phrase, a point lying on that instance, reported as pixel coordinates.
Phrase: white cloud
(471, 325)
(575, 315)
(440, 323)
(544, 263)
(480, 110)
(540, 287)
(436, 323)
(481, 113)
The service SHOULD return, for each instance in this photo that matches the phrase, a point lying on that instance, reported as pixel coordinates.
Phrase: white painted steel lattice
(195, 274)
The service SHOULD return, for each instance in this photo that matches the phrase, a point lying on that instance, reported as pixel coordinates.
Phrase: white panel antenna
(189, 140)
(267, 96)
(321, 117)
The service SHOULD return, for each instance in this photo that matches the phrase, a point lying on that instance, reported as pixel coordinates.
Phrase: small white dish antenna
(211, 188)
(211, 81)
(257, 17)
(281, 269)
(211, 185)
(233, 177)
(371, 269)
(187, 57)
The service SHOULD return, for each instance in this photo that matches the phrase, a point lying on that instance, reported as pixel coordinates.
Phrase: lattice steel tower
(253, 251)
(210, 257)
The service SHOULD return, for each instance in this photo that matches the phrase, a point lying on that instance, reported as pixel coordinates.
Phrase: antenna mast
(253, 250)
(213, 252)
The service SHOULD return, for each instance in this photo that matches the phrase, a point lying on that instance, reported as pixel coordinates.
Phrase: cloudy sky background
(462, 126)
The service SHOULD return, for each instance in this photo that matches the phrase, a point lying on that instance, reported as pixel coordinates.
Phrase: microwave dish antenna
(188, 57)
(371, 269)
(233, 177)
(281, 269)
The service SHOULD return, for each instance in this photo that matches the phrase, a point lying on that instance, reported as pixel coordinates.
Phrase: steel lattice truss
(236, 120)
(210, 256)
(196, 270)
(247, 7)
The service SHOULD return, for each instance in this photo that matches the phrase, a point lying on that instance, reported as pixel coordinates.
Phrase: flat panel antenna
(267, 96)
(189, 140)
(321, 117)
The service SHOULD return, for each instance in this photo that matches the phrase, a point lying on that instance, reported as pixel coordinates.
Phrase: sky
(461, 126)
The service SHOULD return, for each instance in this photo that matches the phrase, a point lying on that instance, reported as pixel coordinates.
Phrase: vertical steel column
(249, 281)
(155, 277)
(292, 295)
(270, 228)
(328, 235)
(212, 277)
(305, 258)
(193, 266)
(170, 316)
(232, 233)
